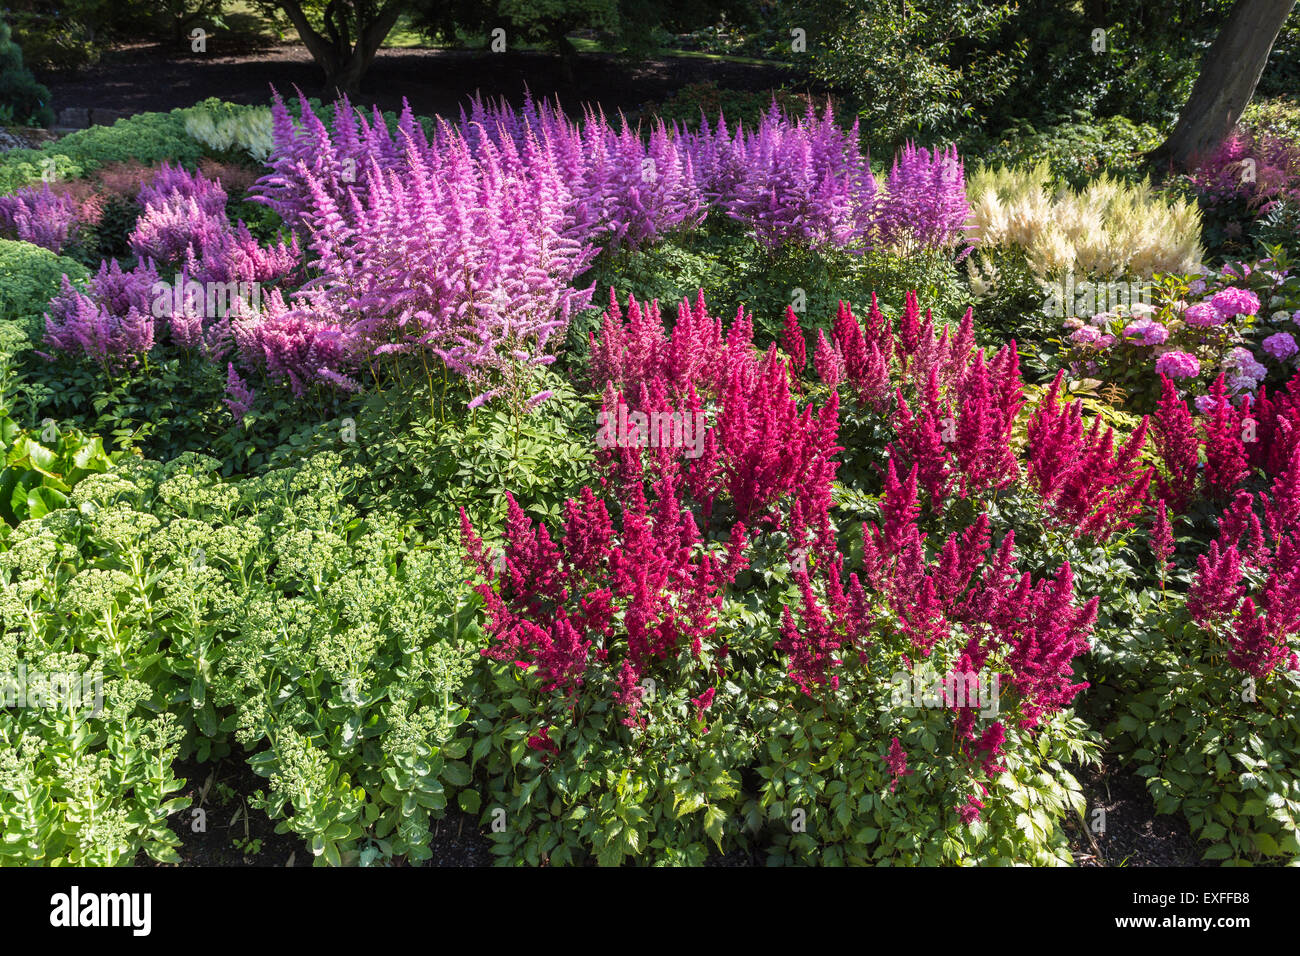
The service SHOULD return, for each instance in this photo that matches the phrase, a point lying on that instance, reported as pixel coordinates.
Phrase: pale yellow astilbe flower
(1107, 230)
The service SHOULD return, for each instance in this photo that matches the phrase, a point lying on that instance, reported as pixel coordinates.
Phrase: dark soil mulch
(140, 78)
(237, 835)
(1134, 834)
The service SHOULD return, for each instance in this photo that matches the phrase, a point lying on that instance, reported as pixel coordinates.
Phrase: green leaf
(713, 821)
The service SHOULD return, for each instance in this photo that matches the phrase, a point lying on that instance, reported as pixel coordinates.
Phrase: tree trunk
(1226, 82)
(344, 65)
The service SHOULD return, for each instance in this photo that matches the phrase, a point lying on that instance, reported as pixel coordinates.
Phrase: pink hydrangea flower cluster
(1175, 364)
(1204, 315)
(1233, 301)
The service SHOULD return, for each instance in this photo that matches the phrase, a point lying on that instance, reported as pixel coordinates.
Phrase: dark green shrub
(22, 100)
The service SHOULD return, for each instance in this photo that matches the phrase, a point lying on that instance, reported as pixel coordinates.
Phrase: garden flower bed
(667, 494)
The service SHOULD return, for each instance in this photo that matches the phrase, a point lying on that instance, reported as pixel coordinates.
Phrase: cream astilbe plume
(1107, 230)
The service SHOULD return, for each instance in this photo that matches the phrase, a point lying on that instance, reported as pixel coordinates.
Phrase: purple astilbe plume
(173, 227)
(805, 182)
(234, 255)
(41, 217)
(925, 200)
(239, 397)
(110, 323)
(465, 255)
(297, 346)
(171, 181)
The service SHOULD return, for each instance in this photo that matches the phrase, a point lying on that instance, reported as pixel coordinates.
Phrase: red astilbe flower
(988, 748)
(638, 351)
(1280, 597)
(635, 596)
(793, 343)
(1283, 509)
(1240, 526)
(920, 442)
(703, 703)
(542, 741)
(1253, 647)
(828, 361)
(1277, 428)
(896, 761)
(986, 418)
(814, 644)
(1225, 456)
(1162, 540)
(861, 359)
(1046, 635)
(969, 812)
(1216, 590)
(1178, 446)
(1084, 481)
(810, 647)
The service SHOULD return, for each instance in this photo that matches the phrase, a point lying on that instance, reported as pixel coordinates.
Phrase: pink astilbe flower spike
(896, 761)
(1217, 589)
(1225, 456)
(1162, 539)
(1179, 447)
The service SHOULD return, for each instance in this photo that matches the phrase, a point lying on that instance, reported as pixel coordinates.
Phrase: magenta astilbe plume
(1225, 456)
(1047, 635)
(1277, 422)
(1162, 539)
(1086, 483)
(1179, 447)
(1274, 163)
(1217, 589)
(233, 255)
(642, 594)
(896, 761)
(1253, 647)
(828, 361)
